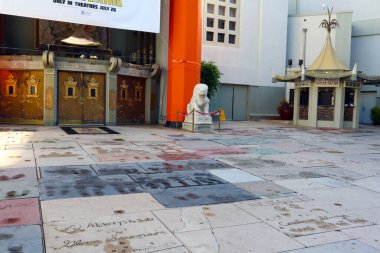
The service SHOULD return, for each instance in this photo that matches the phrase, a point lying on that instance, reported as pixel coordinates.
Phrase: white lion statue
(199, 101)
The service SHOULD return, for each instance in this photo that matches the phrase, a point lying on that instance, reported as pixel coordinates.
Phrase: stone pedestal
(202, 123)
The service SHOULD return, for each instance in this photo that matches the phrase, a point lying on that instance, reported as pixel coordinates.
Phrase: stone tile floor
(257, 187)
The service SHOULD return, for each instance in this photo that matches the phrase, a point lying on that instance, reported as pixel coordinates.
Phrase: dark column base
(172, 124)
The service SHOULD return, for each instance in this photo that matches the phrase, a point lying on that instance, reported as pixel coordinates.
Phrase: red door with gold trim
(81, 98)
(130, 99)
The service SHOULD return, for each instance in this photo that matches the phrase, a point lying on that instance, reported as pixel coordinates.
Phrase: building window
(124, 90)
(10, 87)
(231, 39)
(221, 37)
(222, 10)
(233, 12)
(70, 91)
(210, 8)
(210, 22)
(222, 22)
(32, 84)
(349, 97)
(326, 97)
(232, 26)
(304, 97)
(92, 87)
(209, 36)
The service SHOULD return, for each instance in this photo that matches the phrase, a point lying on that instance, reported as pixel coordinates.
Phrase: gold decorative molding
(70, 89)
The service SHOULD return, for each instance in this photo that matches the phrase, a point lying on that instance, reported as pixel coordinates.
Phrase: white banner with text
(139, 15)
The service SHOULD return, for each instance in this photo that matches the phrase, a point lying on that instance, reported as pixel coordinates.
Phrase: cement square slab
(118, 169)
(174, 250)
(19, 212)
(112, 205)
(257, 237)
(199, 144)
(216, 152)
(330, 182)
(322, 238)
(18, 174)
(16, 159)
(280, 173)
(337, 172)
(201, 195)
(369, 235)
(206, 164)
(25, 239)
(299, 216)
(266, 189)
(370, 214)
(121, 154)
(140, 232)
(67, 171)
(162, 167)
(238, 142)
(160, 147)
(352, 246)
(87, 186)
(372, 183)
(234, 175)
(203, 217)
(176, 179)
(266, 151)
(181, 156)
(250, 161)
(347, 198)
(18, 146)
(76, 156)
(19, 189)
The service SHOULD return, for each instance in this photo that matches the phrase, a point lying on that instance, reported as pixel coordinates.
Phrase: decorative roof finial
(330, 23)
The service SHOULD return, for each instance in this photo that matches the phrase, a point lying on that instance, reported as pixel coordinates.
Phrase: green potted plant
(285, 109)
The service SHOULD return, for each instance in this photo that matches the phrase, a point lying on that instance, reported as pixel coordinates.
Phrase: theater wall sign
(121, 14)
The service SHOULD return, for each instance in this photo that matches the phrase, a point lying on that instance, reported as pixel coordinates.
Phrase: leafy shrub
(375, 115)
(210, 75)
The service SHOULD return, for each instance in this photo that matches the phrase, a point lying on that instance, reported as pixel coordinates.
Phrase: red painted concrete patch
(180, 156)
(19, 212)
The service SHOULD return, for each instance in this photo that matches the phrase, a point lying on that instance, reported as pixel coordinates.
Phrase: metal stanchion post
(220, 111)
(176, 123)
(193, 120)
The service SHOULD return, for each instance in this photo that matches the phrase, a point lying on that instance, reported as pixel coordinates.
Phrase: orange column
(185, 42)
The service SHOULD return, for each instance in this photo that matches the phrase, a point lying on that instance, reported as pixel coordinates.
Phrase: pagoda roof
(327, 59)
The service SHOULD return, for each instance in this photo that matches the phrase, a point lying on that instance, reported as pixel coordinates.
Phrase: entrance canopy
(139, 15)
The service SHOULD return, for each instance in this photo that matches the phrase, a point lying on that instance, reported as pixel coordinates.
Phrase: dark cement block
(177, 179)
(118, 169)
(161, 167)
(88, 187)
(201, 195)
(21, 239)
(207, 164)
(67, 171)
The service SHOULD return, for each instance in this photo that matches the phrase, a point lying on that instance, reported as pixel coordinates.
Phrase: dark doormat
(88, 130)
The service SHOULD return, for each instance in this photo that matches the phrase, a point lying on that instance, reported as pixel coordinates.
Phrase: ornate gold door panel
(81, 98)
(22, 96)
(130, 99)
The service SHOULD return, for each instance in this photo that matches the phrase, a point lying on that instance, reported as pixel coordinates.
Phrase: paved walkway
(254, 187)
